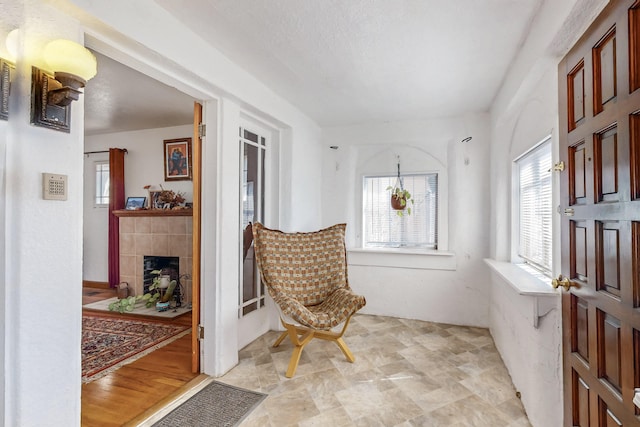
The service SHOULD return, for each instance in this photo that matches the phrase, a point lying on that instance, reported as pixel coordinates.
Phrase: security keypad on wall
(54, 186)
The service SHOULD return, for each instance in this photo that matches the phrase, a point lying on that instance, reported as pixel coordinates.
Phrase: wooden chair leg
(293, 362)
(345, 350)
(298, 341)
(301, 336)
(280, 339)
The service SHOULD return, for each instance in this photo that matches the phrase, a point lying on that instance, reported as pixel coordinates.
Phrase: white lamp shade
(70, 57)
(12, 44)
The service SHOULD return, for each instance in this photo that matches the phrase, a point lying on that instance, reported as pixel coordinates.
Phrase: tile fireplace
(163, 235)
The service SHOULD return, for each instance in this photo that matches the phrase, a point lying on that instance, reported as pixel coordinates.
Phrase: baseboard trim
(96, 285)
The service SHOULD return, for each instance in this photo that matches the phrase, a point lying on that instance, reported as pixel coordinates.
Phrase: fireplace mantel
(153, 212)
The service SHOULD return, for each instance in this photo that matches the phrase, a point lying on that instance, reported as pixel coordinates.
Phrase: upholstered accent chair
(306, 275)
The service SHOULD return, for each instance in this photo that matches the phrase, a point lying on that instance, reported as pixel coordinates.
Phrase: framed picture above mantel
(177, 159)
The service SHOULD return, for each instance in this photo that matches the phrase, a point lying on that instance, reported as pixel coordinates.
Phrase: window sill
(521, 281)
(543, 297)
(421, 259)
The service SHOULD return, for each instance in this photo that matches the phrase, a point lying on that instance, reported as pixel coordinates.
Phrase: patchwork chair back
(306, 275)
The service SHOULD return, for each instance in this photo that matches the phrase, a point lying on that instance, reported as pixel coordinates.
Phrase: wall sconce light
(6, 73)
(7, 69)
(52, 95)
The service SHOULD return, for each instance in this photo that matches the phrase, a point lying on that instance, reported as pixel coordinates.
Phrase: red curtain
(116, 201)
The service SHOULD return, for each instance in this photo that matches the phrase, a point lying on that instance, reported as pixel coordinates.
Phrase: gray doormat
(217, 404)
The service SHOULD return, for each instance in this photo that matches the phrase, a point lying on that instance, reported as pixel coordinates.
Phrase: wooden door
(197, 227)
(600, 203)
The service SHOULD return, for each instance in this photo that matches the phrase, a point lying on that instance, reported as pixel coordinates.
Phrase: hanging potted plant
(400, 197)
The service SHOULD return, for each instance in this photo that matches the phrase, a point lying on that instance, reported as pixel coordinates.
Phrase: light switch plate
(54, 186)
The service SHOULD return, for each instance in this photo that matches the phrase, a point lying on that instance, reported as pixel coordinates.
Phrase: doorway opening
(125, 108)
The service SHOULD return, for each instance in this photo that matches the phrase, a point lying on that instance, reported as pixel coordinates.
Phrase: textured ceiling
(353, 61)
(121, 99)
(339, 61)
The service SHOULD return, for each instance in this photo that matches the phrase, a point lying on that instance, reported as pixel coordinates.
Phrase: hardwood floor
(122, 396)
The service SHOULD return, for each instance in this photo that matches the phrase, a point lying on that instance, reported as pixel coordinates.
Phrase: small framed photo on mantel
(177, 159)
(135, 203)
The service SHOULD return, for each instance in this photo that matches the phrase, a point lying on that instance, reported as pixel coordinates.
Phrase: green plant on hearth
(125, 304)
(156, 293)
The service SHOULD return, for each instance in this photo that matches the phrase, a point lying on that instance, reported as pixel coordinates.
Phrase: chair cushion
(330, 313)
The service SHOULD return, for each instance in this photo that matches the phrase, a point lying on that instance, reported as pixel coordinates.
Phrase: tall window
(534, 206)
(102, 183)
(384, 228)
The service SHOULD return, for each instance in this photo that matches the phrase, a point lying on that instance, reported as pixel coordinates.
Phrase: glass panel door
(252, 192)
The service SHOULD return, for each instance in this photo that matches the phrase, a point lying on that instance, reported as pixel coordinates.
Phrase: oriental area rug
(109, 343)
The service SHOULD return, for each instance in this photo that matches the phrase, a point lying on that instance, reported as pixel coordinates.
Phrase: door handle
(562, 281)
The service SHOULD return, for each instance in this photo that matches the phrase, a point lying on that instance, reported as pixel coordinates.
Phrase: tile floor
(406, 373)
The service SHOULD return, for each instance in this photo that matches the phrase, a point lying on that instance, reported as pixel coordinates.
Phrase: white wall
(541, 389)
(41, 274)
(3, 149)
(5, 27)
(533, 356)
(450, 289)
(524, 349)
(524, 112)
(143, 165)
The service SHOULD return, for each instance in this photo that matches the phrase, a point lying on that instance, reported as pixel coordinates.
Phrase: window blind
(535, 210)
(384, 228)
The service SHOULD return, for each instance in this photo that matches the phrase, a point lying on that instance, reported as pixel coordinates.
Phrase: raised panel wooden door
(599, 96)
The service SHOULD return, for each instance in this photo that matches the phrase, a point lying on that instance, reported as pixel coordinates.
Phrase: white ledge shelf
(402, 258)
(543, 297)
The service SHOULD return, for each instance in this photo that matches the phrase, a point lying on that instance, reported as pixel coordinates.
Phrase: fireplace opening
(168, 265)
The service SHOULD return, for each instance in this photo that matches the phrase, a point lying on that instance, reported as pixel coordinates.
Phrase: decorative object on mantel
(135, 203)
(400, 196)
(165, 199)
(170, 199)
(149, 201)
(177, 159)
